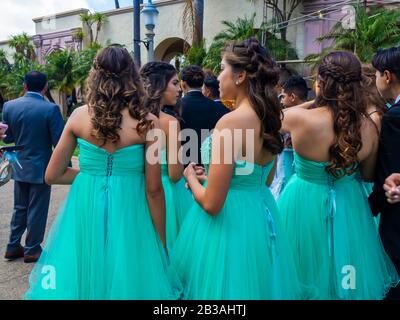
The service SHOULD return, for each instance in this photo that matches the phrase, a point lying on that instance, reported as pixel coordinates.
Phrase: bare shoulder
(79, 121)
(165, 118)
(153, 118)
(79, 112)
(235, 119)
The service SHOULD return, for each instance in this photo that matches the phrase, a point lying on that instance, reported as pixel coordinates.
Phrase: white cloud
(16, 15)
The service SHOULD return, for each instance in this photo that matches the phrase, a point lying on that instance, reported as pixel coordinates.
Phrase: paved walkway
(14, 274)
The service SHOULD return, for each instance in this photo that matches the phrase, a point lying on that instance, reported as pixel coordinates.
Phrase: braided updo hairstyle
(340, 81)
(156, 76)
(113, 85)
(262, 77)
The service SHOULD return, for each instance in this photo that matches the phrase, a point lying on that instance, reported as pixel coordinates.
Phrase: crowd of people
(184, 198)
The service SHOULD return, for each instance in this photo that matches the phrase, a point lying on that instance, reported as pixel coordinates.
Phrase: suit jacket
(35, 124)
(388, 162)
(199, 112)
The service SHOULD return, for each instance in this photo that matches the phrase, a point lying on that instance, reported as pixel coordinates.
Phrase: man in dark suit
(36, 125)
(387, 64)
(197, 111)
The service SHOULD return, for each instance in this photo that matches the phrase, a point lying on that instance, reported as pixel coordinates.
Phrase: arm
(58, 171)
(212, 198)
(175, 167)
(368, 165)
(154, 189)
(8, 136)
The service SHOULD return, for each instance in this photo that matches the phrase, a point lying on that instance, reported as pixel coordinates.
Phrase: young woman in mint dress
(108, 240)
(325, 211)
(162, 85)
(231, 244)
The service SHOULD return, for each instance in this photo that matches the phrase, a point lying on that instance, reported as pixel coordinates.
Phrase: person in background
(294, 92)
(198, 111)
(35, 124)
(387, 65)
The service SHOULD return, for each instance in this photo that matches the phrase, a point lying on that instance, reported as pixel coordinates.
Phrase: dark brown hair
(193, 76)
(262, 75)
(113, 85)
(156, 76)
(340, 81)
(374, 99)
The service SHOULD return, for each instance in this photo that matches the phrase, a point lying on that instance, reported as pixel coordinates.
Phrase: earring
(237, 82)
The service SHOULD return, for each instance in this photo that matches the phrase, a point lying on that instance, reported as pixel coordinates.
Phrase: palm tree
(375, 29)
(193, 20)
(99, 19)
(59, 68)
(244, 28)
(87, 20)
(82, 64)
(23, 47)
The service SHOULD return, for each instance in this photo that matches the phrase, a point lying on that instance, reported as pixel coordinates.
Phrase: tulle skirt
(103, 245)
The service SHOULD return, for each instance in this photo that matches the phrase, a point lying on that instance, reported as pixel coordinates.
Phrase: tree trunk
(63, 104)
(49, 96)
(1, 103)
(199, 22)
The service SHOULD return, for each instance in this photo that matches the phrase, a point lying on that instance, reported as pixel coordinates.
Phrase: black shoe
(15, 254)
(32, 258)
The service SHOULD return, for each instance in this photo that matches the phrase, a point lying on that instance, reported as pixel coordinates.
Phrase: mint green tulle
(103, 244)
(337, 248)
(178, 201)
(241, 253)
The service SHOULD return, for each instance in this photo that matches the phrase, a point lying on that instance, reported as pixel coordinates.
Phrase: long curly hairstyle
(156, 76)
(340, 79)
(113, 85)
(262, 77)
(369, 85)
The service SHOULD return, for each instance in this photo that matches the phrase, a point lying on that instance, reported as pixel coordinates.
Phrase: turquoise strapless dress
(333, 235)
(178, 201)
(241, 253)
(103, 244)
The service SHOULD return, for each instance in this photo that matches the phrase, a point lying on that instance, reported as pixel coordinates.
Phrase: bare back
(245, 118)
(82, 127)
(313, 134)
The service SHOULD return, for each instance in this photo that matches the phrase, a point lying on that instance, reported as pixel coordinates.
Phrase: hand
(200, 175)
(3, 129)
(190, 172)
(392, 188)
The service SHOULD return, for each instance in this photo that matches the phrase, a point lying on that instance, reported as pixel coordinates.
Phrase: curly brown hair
(263, 75)
(156, 76)
(113, 85)
(340, 81)
(374, 98)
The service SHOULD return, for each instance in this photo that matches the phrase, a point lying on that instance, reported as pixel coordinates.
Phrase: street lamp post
(150, 14)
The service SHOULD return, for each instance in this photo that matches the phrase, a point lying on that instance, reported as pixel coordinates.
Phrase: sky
(16, 15)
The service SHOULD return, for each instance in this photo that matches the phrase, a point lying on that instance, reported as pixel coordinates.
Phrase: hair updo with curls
(113, 85)
(156, 76)
(340, 80)
(262, 77)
